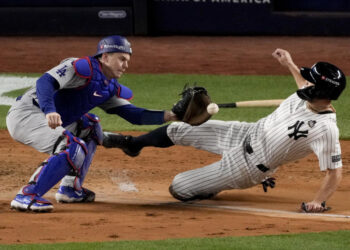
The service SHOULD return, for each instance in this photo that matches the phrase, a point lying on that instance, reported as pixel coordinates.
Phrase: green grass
(16, 92)
(318, 241)
(3, 113)
(161, 92)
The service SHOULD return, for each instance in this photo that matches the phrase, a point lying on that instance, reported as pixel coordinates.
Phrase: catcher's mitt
(192, 107)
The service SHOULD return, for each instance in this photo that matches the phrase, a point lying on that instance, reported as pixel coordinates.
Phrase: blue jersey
(71, 104)
(76, 86)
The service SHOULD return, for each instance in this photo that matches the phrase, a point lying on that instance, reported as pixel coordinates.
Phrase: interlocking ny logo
(297, 133)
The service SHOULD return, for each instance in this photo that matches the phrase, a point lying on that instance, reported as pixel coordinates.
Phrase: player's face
(115, 64)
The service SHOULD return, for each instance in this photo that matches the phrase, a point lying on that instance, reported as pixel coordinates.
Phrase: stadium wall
(175, 17)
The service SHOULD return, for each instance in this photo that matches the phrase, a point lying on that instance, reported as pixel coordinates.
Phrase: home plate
(127, 187)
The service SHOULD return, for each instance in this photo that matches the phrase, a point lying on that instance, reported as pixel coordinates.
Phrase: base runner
(251, 152)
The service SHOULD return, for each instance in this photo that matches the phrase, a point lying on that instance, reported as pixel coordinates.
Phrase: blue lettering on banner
(62, 71)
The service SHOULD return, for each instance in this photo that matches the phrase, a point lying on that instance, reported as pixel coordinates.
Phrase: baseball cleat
(124, 142)
(126, 147)
(67, 194)
(31, 203)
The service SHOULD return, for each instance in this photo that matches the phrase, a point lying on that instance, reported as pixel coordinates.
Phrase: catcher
(53, 117)
(251, 152)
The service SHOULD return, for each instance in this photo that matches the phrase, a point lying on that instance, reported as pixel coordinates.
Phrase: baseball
(212, 108)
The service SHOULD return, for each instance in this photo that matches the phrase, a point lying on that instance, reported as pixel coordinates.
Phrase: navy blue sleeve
(46, 86)
(139, 116)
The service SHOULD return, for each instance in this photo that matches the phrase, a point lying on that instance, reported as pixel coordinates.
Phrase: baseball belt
(249, 149)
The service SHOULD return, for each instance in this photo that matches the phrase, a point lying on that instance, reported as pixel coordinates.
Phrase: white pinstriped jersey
(291, 132)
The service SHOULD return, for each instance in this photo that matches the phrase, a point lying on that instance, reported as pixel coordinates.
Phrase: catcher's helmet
(329, 82)
(113, 44)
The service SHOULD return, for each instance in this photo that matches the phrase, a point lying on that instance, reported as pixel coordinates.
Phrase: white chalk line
(265, 211)
(243, 209)
(9, 83)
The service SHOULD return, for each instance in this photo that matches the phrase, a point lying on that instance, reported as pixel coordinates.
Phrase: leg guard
(76, 180)
(95, 137)
(71, 189)
(91, 145)
(57, 166)
(89, 127)
(49, 173)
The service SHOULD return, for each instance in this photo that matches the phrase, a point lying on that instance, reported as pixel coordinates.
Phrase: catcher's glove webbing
(192, 108)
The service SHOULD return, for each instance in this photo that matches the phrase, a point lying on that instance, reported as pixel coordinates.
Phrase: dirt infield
(132, 197)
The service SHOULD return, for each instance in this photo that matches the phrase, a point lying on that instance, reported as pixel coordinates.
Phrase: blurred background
(175, 17)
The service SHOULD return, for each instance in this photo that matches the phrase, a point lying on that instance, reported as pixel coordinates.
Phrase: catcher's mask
(329, 81)
(113, 44)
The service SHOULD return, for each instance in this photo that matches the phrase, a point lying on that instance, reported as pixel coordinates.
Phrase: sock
(156, 138)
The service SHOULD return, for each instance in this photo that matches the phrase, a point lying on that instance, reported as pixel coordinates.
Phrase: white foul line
(268, 212)
(261, 210)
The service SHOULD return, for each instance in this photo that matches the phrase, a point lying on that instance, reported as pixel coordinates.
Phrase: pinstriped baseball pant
(233, 171)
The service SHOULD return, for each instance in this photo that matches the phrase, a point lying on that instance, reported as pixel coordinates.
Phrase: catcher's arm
(328, 187)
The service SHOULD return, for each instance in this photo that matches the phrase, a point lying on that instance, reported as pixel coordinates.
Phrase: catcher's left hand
(313, 207)
(192, 107)
(268, 182)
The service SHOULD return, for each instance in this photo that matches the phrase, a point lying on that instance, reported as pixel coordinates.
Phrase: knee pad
(79, 179)
(90, 128)
(76, 151)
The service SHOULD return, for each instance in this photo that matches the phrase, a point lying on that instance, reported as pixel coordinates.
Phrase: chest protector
(71, 104)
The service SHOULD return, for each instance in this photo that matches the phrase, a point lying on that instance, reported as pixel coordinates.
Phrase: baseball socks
(133, 145)
(156, 138)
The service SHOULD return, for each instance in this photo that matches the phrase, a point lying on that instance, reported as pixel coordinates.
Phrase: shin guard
(57, 166)
(79, 179)
(90, 130)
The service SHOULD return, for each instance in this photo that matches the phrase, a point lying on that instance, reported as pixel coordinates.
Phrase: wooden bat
(255, 103)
